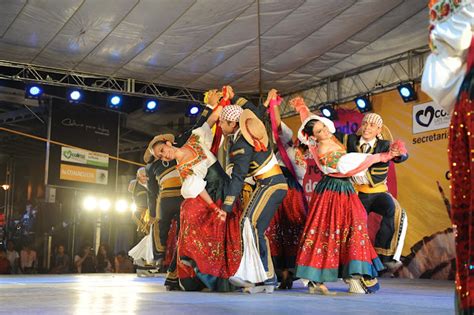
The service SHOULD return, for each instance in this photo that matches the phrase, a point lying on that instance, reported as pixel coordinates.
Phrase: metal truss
(94, 82)
(370, 79)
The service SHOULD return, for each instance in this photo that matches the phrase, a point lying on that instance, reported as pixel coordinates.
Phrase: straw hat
(253, 130)
(147, 157)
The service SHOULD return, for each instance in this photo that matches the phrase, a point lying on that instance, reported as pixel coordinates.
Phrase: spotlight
(33, 91)
(363, 104)
(104, 205)
(193, 110)
(151, 106)
(114, 101)
(121, 205)
(407, 92)
(328, 111)
(90, 203)
(74, 96)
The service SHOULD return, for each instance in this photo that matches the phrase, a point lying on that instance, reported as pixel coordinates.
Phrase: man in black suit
(372, 187)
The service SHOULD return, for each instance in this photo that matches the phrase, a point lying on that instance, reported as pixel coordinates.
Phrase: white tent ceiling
(207, 43)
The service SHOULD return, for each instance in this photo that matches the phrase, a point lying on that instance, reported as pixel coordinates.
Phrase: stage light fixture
(33, 91)
(151, 106)
(407, 92)
(328, 111)
(104, 205)
(90, 203)
(121, 205)
(363, 104)
(114, 101)
(74, 96)
(192, 111)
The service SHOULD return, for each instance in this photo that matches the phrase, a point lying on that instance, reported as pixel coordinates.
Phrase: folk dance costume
(164, 200)
(209, 249)
(373, 193)
(251, 158)
(286, 228)
(139, 193)
(448, 78)
(335, 242)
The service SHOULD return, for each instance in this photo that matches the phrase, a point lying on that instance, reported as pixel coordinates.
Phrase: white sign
(85, 157)
(428, 117)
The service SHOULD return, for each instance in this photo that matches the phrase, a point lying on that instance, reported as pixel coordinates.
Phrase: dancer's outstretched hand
(297, 102)
(229, 92)
(213, 97)
(272, 95)
(221, 214)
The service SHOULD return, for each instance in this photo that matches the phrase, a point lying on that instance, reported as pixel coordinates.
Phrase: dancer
(373, 191)
(286, 228)
(335, 242)
(448, 78)
(250, 158)
(137, 187)
(164, 195)
(209, 239)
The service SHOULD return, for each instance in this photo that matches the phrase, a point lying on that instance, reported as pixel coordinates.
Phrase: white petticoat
(144, 249)
(251, 267)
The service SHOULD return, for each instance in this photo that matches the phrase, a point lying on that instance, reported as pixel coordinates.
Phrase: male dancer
(373, 190)
(138, 188)
(164, 194)
(250, 157)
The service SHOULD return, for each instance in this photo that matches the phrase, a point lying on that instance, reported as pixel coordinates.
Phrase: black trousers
(264, 202)
(169, 210)
(382, 204)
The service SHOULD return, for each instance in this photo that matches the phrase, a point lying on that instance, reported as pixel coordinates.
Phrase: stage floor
(128, 294)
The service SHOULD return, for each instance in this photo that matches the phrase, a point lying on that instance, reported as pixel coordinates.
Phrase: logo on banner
(428, 117)
(79, 156)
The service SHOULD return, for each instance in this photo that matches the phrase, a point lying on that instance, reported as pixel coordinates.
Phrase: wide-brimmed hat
(148, 157)
(327, 122)
(253, 130)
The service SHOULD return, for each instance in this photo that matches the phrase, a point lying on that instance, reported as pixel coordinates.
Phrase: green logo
(67, 154)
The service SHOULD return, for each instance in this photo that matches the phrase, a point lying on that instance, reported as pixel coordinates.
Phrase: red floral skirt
(335, 242)
(285, 229)
(461, 158)
(170, 244)
(209, 249)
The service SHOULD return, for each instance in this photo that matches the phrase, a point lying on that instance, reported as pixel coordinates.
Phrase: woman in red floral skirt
(209, 247)
(335, 242)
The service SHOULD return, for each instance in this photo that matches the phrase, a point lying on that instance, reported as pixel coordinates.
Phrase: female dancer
(286, 227)
(208, 246)
(335, 242)
(448, 78)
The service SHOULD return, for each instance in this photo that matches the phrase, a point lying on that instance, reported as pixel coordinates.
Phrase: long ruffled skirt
(335, 242)
(209, 249)
(461, 158)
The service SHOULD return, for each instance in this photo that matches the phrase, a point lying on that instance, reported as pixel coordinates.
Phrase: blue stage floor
(127, 294)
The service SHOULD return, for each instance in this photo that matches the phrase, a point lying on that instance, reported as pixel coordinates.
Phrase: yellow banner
(83, 174)
(428, 164)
